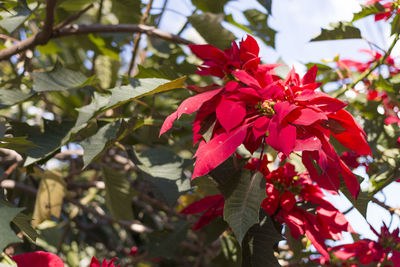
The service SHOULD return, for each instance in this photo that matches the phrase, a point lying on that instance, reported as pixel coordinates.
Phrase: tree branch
(76, 29)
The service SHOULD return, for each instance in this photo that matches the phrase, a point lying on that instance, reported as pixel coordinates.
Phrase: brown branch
(135, 226)
(72, 18)
(136, 41)
(76, 29)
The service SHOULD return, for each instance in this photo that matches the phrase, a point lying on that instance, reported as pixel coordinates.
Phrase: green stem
(370, 70)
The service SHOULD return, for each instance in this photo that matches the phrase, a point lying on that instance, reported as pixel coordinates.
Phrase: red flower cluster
(390, 9)
(255, 107)
(293, 199)
(95, 263)
(369, 252)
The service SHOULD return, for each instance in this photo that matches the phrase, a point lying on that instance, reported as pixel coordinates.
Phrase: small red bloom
(95, 263)
(38, 259)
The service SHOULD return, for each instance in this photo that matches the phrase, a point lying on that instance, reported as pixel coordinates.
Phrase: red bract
(95, 263)
(212, 206)
(293, 199)
(220, 63)
(390, 8)
(38, 259)
(367, 251)
(259, 108)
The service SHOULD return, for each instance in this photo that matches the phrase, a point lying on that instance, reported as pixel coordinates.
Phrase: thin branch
(45, 34)
(136, 41)
(76, 29)
(370, 70)
(73, 18)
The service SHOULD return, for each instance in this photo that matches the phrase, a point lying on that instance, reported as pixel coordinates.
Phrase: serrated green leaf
(154, 73)
(163, 243)
(7, 214)
(210, 5)
(49, 198)
(19, 144)
(11, 97)
(259, 25)
(118, 194)
(339, 30)
(209, 26)
(258, 247)
(367, 10)
(94, 145)
(58, 79)
(165, 171)
(12, 19)
(47, 142)
(23, 222)
(241, 209)
(267, 4)
(140, 88)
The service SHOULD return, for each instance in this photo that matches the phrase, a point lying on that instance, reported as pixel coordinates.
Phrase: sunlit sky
(297, 22)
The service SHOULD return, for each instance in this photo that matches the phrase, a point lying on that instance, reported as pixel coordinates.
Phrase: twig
(370, 70)
(76, 29)
(136, 41)
(135, 226)
(73, 17)
(8, 172)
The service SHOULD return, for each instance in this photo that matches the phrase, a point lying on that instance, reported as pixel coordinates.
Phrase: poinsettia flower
(293, 199)
(38, 259)
(288, 115)
(95, 263)
(212, 206)
(390, 8)
(368, 251)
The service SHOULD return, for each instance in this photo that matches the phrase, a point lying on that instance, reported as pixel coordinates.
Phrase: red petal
(349, 179)
(230, 113)
(308, 116)
(202, 204)
(208, 52)
(246, 78)
(188, 106)
(250, 45)
(217, 150)
(282, 139)
(310, 76)
(38, 259)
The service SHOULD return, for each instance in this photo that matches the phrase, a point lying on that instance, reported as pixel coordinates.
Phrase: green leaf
(229, 18)
(12, 19)
(7, 214)
(267, 4)
(89, 111)
(165, 170)
(163, 244)
(209, 26)
(23, 222)
(11, 97)
(367, 10)
(104, 47)
(241, 209)
(395, 24)
(230, 254)
(258, 247)
(47, 142)
(339, 30)
(58, 79)
(258, 24)
(361, 203)
(19, 144)
(49, 198)
(118, 194)
(210, 5)
(127, 11)
(75, 5)
(140, 88)
(94, 145)
(154, 73)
